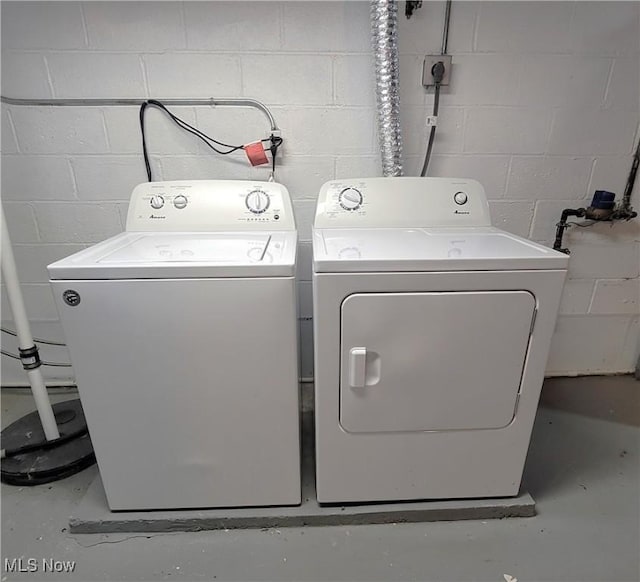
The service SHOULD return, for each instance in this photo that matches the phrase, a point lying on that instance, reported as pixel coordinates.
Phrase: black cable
(203, 136)
(35, 339)
(143, 107)
(183, 125)
(53, 364)
(44, 444)
(432, 133)
(276, 142)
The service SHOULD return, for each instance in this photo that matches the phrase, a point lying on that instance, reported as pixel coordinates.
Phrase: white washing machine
(432, 331)
(182, 334)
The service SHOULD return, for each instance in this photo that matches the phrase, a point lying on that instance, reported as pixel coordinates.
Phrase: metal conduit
(210, 102)
(445, 30)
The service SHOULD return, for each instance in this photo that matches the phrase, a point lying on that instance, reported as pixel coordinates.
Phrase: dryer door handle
(357, 367)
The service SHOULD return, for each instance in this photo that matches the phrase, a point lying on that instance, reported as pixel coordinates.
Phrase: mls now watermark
(23, 565)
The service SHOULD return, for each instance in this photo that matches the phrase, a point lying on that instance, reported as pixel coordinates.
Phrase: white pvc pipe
(25, 339)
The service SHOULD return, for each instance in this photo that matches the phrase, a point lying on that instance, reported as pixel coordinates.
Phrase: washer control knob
(157, 202)
(460, 198)
(350, 199)
(257, 201)
(180, 201)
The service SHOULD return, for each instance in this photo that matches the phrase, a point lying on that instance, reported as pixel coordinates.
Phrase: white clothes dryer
(432, 330)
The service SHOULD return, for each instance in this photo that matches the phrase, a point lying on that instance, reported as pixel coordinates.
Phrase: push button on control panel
(460, 198)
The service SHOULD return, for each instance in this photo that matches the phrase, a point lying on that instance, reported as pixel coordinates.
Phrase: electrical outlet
(429, 61)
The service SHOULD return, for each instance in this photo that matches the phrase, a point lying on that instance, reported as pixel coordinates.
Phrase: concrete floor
(583, 471)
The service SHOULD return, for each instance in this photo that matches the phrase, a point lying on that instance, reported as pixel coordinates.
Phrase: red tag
(255, 153)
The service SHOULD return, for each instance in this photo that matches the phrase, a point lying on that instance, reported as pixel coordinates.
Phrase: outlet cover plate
(429, 61)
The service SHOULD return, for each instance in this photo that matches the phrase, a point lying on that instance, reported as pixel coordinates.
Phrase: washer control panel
(210, 205)
(400, 202)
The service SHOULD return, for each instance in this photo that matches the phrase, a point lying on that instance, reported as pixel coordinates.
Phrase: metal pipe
(631, 180)
(445, 30)
(211, 102)
(562, 226)
(384, 32)
(25, 339)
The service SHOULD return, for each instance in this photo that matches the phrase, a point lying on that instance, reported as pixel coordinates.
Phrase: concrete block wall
(543, 109)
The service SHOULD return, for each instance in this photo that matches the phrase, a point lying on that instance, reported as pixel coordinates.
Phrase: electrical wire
(432, 133)
(438, 72)
(215, 145)
(35, 339)
(145, 154)
(182, 123)
(53, 364)
(4, 453)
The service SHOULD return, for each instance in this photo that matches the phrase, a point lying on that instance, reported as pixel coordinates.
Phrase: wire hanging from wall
(35, 339)
(43, 362)
(219, 147)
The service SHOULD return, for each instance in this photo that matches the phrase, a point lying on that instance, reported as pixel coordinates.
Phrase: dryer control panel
(209, 206)
(402, 202)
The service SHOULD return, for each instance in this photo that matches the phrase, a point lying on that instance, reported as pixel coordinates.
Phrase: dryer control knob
(350, 199)
(460, 198)
(180, 201)
(157, 202)
(257, 201)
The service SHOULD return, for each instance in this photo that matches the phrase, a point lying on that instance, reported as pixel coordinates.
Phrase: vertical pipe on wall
(384, 29)
(445, 29)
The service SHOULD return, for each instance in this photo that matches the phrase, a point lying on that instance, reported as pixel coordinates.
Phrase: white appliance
(182, 334)
(432, 331)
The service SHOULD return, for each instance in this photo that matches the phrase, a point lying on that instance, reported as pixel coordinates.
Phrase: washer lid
(139, 255)
(428, 249)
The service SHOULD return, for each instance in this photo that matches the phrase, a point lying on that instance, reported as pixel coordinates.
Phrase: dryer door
(433, 361)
